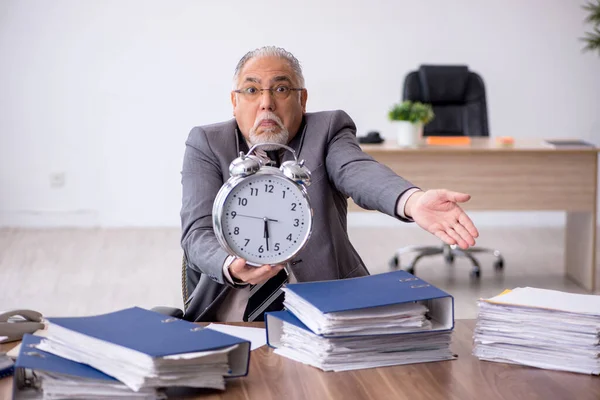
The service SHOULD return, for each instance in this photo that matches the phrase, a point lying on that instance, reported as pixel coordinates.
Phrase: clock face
(266, 219)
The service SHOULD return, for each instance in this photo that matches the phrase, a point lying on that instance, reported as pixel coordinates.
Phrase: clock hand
(250, 216)
(266, 234)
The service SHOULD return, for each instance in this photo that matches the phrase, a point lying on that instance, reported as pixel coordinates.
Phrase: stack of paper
(41, 375)
(393, 318)
(540, 328)
(144, 349)
(294, 340)
(378, 320)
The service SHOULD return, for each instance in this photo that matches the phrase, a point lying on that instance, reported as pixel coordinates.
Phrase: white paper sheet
(256, 336)
(550, 300)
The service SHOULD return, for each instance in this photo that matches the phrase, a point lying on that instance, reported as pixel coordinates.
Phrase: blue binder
(157, 335)
(275, 320)
(35, 359)
(378, 290)
(6, 366)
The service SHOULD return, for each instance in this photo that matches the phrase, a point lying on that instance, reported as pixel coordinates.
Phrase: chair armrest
(170, 311)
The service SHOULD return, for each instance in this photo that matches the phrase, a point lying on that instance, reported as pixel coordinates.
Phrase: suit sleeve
(201, 179)
(372, 185)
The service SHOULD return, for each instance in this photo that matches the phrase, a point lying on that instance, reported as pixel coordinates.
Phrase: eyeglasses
(279, 92)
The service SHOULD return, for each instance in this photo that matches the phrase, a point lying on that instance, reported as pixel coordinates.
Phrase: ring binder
(142, 349)
(325, 306)
(43, 375)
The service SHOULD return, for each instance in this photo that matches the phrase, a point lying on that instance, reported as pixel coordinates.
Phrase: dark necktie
(267, 296)
(274, 156)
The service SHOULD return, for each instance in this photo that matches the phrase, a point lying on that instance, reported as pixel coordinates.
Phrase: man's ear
(303, 99)
(233, 101)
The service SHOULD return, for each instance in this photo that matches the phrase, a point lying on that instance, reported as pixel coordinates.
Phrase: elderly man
(269, 105)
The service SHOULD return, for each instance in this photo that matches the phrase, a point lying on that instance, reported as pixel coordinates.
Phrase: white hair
(270, 51)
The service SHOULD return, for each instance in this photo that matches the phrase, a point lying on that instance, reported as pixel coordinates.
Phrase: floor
(71, 272)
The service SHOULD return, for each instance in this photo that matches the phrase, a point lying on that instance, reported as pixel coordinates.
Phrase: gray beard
(268, 137)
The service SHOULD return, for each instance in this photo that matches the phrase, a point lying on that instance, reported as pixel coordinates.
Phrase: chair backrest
(457, 96)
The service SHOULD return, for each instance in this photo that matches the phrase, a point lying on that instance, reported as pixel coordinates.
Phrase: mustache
(268, 116)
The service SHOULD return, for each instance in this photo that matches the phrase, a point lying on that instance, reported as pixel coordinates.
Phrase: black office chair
(458, 99)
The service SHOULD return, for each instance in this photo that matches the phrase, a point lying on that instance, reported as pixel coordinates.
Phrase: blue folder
(27, 385)
(275, 320)
(6, 366)
(378, 290)
(158, 335)
(35, 359)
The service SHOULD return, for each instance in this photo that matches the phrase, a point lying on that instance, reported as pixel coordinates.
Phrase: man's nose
(267, 102)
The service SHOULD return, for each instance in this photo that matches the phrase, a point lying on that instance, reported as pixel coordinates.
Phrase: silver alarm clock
(263, 214)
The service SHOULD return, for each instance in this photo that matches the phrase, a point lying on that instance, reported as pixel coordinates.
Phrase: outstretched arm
(437, 211)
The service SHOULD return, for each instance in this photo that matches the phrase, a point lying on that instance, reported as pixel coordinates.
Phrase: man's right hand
(253, 275)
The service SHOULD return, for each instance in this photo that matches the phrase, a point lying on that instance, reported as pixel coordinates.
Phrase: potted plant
(409, 118)
(592, 39)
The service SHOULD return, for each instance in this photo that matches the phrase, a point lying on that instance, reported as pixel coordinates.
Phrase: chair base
(450, 252)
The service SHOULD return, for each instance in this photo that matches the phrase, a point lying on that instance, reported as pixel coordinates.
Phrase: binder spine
(7, 371)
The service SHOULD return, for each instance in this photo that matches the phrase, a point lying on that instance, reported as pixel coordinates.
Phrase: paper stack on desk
(379, 320)
(145, 349)
(41, 375)
(540, 328)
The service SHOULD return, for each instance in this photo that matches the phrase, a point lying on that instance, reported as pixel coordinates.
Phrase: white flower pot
(408, 134)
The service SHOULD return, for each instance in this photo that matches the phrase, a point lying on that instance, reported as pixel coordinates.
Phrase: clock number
(269, 188)
(260, 249)
(233, 214)
(289, 237)
(247, 241)
(276, 246)
(236, 231)
(293, 206)
(283, 194)
(253, 192)
(242, 201)
(296, 222)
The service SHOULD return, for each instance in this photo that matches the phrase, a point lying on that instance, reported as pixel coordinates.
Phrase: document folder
(309, 301)
(156, 335)
(6, 366)
(143, 348)
(34, 365)
(292, 339)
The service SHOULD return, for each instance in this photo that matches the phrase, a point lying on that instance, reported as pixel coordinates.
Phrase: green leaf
(592, 39)
(594, 12)
(412, 112)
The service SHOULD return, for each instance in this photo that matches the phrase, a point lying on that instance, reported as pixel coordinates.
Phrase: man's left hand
(437, 211)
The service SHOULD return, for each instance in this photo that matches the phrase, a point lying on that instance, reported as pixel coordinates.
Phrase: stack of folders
(143, 349)
(540, 328)
(41, 375)
(378, 320)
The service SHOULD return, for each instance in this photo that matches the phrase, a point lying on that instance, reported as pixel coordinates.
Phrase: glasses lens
(250, 91)
(281, 92)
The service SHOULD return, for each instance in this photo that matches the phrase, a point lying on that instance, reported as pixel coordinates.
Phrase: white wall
(107, 91)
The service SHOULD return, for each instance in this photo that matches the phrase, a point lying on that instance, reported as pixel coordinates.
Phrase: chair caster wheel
(475, 274)
(499, 265)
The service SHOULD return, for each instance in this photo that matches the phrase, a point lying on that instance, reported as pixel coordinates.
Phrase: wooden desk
(274, 377)
(529, 175)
